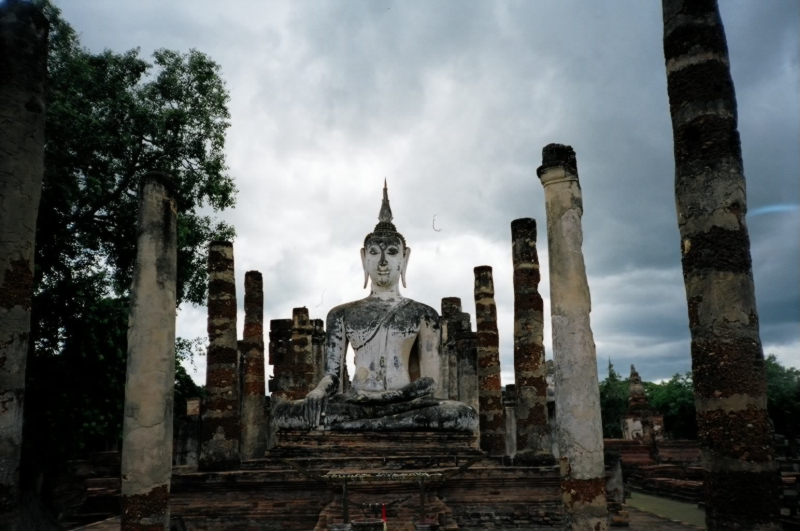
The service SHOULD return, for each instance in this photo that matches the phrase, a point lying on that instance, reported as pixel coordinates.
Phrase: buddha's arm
(430, 360)
(335, 349)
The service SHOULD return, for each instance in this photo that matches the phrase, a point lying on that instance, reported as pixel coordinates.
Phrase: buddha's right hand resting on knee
(316, 401)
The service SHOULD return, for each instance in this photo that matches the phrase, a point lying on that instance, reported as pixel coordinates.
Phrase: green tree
(674, 399)
(614, 392)
(111, 117)
(783, 397)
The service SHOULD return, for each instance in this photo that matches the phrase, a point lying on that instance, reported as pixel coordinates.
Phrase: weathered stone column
(219, 444)
(530, 374)
(318, 349)
(734, 429)
(280, 356)
(467, 347)
(150, 377)
(254, 423)
(302, 354)
(492, 425)
(579, 429)
(510, 407)
(451, 314)
(23, 69)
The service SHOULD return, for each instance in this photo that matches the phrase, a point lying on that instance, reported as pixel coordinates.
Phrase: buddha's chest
(383, 327)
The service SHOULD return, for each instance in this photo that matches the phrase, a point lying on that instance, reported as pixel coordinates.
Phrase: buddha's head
(385, 254)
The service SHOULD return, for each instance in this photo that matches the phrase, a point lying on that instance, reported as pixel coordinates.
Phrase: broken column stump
(467, 352)
(254, 427)
(579, 428)
(318, 349)
(451, 319)
(734, 429)
(280, 357)
(530, 375)
(150, 376)
(221, 426)
(23, 70)
(303, 370)
(492, 424)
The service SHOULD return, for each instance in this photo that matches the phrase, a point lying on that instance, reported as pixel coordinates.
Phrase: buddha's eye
(392, 250)
(374, 250)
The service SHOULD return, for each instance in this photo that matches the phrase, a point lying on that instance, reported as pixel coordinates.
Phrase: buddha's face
(384, 261)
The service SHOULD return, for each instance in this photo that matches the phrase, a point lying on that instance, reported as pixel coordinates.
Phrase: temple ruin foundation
(150, 378)
(577, 397)
(221, 428)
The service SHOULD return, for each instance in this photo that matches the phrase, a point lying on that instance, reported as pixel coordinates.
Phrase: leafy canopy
(110, 118)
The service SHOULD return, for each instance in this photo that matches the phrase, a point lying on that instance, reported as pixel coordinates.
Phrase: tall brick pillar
(150, 372)
(254, 427)
(221, 429)
(579, 430)
(530, 374)
(492, 424)
(730, 383)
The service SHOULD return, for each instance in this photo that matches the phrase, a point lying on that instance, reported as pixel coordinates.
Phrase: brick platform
(269, 494)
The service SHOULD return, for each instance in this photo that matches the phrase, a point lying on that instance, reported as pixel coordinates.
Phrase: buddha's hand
(314, 407)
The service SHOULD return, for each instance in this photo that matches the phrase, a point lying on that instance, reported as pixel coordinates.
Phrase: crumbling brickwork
(727, 358)
(530, 373)
(492, 423)
(221, 425)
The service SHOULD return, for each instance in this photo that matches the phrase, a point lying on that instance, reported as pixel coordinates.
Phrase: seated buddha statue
(396, 342)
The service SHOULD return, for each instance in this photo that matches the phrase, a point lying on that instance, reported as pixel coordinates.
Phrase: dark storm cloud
(453, 102)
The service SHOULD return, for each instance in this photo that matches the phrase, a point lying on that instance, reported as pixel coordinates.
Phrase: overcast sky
(452, 102)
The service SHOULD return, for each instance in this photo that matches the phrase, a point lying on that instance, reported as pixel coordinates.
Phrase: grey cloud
(453, 101)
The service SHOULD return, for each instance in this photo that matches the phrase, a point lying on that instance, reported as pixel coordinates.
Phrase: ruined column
(302, 354)
(492, 424)
(530, 374)
(219, 444)
(579, 429)
(23, 69)
(735, 433)
(467, 350)
(451, 313)
(280, 350)
(318, 349)
(510, 407)
(150, 377)
(254, 427)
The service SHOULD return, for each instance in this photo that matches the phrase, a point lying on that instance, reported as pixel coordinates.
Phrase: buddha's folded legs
(424, 413)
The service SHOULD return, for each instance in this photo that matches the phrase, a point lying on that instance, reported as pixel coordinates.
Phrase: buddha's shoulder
(423, 310)
(410, 306)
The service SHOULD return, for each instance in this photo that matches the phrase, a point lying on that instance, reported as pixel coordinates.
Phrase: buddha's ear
(364, 265)
(406, 256)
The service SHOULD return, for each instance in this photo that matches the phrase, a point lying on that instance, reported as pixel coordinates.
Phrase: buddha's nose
(383, 261)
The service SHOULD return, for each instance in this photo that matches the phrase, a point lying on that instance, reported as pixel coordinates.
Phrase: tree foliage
(783, 397)
(112, 117)
(674, 400)
(614, 392)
